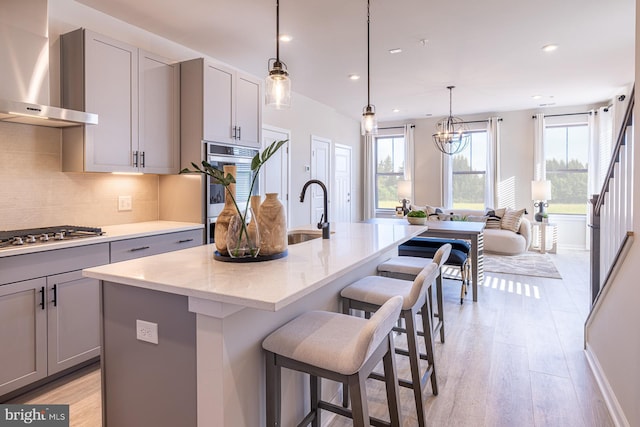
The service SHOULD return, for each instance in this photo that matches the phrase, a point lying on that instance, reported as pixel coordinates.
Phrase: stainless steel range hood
(24, 68)
(43, 115)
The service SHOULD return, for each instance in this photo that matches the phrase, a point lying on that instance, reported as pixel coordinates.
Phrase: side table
(540, 230)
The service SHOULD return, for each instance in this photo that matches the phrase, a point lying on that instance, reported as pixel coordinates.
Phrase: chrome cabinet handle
(142, 157)
(135, 158)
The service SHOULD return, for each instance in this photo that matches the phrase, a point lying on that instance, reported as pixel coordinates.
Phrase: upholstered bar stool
(408, 268)
(370, 293)
(340, 348)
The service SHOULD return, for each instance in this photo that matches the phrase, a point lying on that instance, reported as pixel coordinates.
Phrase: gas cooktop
(38, 236)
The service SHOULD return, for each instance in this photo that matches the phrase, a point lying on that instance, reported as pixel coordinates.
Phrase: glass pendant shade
(278, 85)
(278, 88)
(369, 123)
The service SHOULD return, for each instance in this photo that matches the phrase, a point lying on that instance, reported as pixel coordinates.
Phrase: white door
(342, 188)
(320, 160)
(275, 173)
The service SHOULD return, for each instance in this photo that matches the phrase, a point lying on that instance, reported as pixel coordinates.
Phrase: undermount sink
(299, 236)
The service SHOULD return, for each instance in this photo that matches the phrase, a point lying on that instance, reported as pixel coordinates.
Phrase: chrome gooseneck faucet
(324, 219)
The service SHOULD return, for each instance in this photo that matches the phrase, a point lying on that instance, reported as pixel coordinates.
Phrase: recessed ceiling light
(354, 77)
(537, 96)
(286, 38)
(549, 47)
(396, 110)
(396, 50)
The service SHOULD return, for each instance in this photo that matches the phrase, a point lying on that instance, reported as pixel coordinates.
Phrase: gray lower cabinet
(23, 334)
(123, 250)
(73, 313)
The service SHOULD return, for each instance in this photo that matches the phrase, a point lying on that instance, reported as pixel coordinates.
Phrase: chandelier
(369, 123)
(451, 135)
(278, 84)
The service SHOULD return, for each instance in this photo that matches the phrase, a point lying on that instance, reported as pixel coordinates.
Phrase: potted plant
(219, 177)
(417, 217)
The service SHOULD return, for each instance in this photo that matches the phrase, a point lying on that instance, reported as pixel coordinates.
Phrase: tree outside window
(469, 170)
(389, 170)
(566, 152)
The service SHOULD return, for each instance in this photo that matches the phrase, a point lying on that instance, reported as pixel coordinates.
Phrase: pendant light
(451, 135)
(278, 84)
(369, 124)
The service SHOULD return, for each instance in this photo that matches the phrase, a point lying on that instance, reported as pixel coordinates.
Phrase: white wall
(307, 117)
(612, 339)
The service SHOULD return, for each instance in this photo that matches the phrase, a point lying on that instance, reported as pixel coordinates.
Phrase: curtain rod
(481, 121)
(396, 127)
(567, 114)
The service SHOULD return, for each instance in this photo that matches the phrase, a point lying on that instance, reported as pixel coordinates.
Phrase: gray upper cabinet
(219, 104)
(136, 97)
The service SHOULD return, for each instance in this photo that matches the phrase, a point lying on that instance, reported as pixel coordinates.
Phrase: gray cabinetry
(124, 250)
(136, 96)
(73, 313)
(218, 104)
(23, 334)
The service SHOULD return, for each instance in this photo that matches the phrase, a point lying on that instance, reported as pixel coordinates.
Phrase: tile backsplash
(35, 193)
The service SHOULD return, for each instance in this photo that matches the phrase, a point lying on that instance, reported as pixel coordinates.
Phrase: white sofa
(499, 241)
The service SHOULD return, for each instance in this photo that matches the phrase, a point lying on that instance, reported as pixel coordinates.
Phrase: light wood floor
(514, 358)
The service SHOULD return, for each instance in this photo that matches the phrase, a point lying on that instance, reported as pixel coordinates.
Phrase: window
(389, 170)
(566, 153)
(469, 170)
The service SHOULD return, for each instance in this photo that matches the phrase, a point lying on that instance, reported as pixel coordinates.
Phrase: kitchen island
(207, 368)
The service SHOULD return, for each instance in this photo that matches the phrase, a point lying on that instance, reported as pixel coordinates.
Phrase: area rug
(527, 264)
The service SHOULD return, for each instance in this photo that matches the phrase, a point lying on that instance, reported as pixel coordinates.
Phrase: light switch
(124, 203)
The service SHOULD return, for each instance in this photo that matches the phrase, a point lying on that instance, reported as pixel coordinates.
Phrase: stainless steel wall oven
(219, 156)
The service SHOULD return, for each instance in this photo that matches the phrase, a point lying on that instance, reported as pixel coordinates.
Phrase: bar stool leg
(345, 386)
(440, 314)
(414, 359)
(359, 405)
(391, 382)
(316, 393)
(273, 385)
(428, 342)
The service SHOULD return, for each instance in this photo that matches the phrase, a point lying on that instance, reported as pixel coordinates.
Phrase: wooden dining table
(465, 230)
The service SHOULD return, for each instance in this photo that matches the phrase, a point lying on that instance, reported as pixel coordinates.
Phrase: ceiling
(490, 50)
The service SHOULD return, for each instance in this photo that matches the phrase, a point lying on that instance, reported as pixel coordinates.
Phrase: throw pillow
(433, 214)
(443, 216)
(493, 222)
(512, 219)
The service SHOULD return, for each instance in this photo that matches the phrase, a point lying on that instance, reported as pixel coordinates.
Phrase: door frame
(329, 182)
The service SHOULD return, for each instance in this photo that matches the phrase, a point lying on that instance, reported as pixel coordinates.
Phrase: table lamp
(404, 193)
(540, 193)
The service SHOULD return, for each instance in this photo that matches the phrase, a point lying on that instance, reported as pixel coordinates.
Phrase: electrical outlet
(124, 203)
(147, 331)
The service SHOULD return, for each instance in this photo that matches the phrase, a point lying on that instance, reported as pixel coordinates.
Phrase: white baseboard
(617, 415)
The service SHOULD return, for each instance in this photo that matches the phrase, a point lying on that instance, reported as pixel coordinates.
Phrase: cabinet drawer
(40, 264)
(152, 245)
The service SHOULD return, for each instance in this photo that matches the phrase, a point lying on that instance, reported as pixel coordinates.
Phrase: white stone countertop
(269, 285)
(111, 233)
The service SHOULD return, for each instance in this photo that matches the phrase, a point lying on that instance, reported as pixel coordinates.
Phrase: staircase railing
(612, 208)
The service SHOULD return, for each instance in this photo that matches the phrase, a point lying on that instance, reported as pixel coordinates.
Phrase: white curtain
(606, 136)
(492, 175)
(539, 166)
(409, 157)
(447, 181)
(593, 160)
(369, 170)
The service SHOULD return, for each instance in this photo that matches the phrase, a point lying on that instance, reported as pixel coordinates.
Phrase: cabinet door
(218, 108)
(248, 110)
(73, 311)
(23, 352)
(111, 91)
(159, 114)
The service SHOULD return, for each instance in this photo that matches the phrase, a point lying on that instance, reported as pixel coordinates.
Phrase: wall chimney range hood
(24, 67)
(43, 115)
